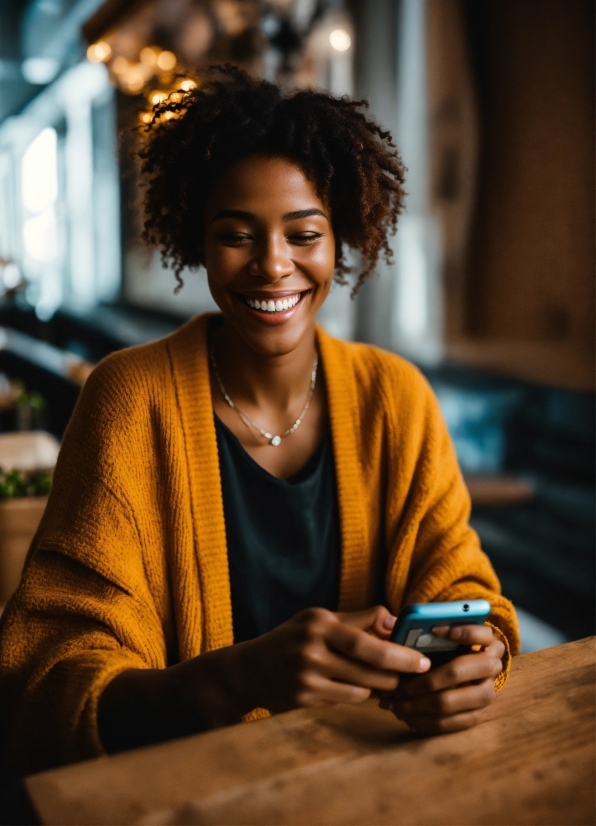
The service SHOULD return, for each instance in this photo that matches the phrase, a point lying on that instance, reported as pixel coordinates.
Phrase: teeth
(274, 306)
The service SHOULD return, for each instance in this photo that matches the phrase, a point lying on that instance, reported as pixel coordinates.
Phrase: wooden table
(530, 762)
(497, 490)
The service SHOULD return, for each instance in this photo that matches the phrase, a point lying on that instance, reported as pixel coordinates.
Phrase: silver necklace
(273, 440)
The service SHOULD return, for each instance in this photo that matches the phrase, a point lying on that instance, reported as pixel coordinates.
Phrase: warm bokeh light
(340, 40)
(166, 60)
(119, 65)
(149, 55)
(157, 97)
(99, 52)
(134, 80)
(187, 85)
(146, 117)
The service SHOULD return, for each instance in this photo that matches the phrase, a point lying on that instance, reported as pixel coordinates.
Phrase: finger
(464, 669)
(495, 649)
(336, 667)
(384, 629)
(377, 620)
(469, 634)
(380, 654)
(443, 725)
(447, 702)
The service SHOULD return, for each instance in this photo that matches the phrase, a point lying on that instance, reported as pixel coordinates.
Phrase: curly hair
(193, 137)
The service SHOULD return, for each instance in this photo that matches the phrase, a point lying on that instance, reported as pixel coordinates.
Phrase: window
(43, 255)
(60, 217)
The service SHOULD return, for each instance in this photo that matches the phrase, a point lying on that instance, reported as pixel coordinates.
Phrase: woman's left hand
(453, 696)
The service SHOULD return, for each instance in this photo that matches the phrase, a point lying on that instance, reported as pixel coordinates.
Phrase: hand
(316, 657)
(453, 696)
(320, 657)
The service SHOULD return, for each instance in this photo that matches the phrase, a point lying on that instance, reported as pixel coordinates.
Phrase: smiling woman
(261, 252)
(240, 509)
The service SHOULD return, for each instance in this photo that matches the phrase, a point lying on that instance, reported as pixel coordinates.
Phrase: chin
(275, 342)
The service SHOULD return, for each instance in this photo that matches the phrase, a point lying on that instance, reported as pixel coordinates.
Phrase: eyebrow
(248, 216)
(302, 213)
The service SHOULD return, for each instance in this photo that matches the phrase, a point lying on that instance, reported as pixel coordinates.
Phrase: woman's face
(269, 251)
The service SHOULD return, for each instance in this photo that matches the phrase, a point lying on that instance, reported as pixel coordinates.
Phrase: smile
(271, 306)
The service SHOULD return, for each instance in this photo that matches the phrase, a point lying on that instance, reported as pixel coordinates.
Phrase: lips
(274, 304)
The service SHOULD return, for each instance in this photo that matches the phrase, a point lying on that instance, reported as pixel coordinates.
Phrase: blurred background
(491, 293)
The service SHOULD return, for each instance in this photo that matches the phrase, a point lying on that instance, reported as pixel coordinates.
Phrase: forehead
(262, 184)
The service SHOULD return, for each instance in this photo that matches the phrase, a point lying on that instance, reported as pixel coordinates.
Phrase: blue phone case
(415, 623)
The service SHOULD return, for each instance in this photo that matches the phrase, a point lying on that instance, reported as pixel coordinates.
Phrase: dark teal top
(282, 534)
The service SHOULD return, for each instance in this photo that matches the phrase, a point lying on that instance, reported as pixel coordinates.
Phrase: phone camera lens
(466, 607)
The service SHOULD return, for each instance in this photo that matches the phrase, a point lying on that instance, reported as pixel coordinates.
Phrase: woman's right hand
(317, 657)
(320, 657)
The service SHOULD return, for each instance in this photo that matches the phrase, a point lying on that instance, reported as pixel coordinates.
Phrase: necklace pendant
(274, 441)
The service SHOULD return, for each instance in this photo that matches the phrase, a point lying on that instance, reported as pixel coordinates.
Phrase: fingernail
(389, 622)
(424, 664)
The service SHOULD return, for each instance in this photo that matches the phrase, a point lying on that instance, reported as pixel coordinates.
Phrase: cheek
(321, 262)
(223, 263)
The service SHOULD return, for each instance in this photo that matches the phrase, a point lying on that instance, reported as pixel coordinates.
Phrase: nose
(272, 261)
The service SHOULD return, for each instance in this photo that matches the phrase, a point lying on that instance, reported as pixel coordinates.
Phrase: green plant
(31, 408)
(16, 484)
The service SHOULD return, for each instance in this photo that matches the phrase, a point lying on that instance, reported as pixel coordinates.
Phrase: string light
(148, 55)
(187, 85)
(153, 66)
(166, 60)
(134, 80)
(119, 65)
(99, 52)
(157, 97)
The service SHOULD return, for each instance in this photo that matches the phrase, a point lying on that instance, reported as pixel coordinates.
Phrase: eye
(305, 238)
(235, 239)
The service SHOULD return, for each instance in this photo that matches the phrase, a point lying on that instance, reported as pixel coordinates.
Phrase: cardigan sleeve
(83, 612)
(434, 554)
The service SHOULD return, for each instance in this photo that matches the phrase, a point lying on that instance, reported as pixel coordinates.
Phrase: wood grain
(530, 762)
(495, 491)
(528, 298)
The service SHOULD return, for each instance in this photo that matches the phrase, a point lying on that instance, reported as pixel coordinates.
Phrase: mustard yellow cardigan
(129, 566)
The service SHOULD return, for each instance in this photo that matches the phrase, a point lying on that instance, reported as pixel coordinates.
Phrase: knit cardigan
(129, 566)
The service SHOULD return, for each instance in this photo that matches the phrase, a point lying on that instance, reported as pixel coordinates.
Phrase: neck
(263, 381)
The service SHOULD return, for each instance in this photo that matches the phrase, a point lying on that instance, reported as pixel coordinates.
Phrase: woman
(235, 504)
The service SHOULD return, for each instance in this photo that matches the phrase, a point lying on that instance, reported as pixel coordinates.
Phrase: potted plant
(26, 465)
(23, 497)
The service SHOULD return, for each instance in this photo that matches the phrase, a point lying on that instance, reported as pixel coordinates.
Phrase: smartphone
(415, 623)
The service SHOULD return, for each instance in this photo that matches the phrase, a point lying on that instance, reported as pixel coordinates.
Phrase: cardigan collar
(190, 364)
